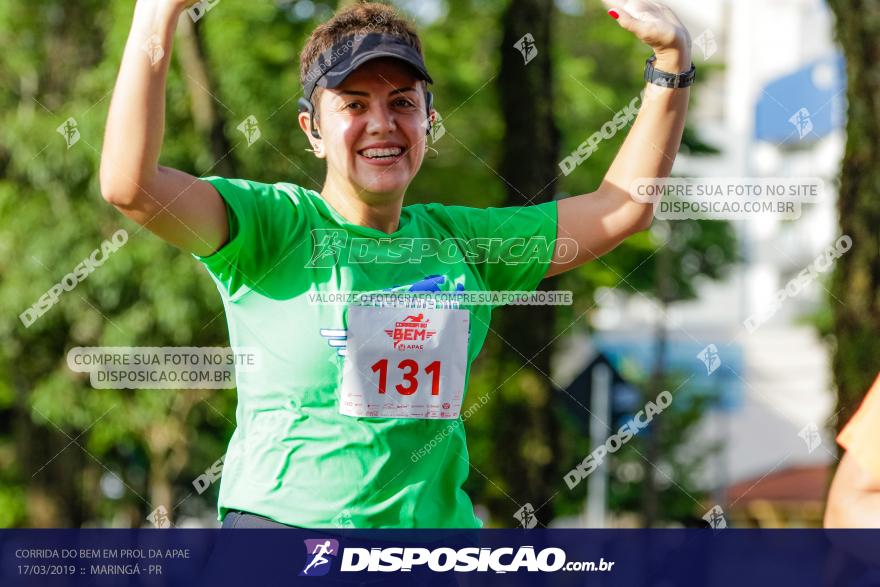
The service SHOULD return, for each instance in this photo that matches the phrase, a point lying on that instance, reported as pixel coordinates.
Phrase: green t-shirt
(293, 457)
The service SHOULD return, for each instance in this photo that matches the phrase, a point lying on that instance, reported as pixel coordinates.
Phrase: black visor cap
(337, 63)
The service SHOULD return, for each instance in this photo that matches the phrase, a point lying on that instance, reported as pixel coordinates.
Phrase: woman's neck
(378, 211)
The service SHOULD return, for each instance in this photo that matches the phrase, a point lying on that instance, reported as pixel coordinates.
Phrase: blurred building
(770, 98)
(793, 497)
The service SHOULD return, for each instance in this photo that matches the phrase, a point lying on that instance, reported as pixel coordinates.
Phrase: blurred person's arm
(176, 206)
(601, 220)
(854, 499)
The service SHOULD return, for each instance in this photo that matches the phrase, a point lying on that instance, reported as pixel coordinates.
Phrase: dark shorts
(238, 519)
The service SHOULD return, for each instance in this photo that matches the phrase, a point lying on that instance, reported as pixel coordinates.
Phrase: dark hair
(361, 18)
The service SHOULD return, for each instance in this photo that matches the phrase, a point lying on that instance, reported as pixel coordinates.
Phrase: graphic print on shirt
(326, 246)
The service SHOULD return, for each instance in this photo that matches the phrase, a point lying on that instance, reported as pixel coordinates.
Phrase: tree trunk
(53, 465)
(856, 279)
(529, 167)
(652, 434)
(209, 121)
(168, 445)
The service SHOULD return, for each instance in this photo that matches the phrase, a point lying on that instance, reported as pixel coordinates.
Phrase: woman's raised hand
(657, 26)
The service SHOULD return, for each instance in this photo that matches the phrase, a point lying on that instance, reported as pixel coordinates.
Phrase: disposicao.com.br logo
(443, 559)
(317, 553)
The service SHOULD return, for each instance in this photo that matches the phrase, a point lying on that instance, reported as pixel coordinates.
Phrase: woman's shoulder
(433, 212)
(289, 188)
(440, 210)
(446, 220)
(301, 197)
(296, 192)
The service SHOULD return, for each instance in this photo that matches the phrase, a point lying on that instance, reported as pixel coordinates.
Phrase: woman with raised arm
(353, 417)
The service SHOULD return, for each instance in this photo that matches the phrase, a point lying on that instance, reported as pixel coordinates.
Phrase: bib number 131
(410, 372)
(404, 363)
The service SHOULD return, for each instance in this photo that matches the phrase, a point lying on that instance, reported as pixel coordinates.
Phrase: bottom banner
(688, 557)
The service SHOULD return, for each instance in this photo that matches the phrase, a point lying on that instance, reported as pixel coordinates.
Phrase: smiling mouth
(382, 154)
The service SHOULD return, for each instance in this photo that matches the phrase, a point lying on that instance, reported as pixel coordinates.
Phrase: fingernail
(613, 14)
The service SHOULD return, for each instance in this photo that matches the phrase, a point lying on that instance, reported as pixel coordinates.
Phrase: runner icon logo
(326, 247)
(318, 553)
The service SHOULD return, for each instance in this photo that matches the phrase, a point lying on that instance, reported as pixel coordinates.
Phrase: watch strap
(669, 80)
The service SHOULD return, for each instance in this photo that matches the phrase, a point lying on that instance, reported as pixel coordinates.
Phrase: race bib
(404, 362)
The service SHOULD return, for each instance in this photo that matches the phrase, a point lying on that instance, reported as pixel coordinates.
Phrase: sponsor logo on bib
(410, 333)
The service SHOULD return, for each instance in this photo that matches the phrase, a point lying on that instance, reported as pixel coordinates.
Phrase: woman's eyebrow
(359, 93)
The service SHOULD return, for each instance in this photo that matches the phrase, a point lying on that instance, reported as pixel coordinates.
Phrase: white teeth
(388, 152)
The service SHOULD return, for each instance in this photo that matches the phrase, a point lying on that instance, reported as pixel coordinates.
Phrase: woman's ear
(431, 118)
(304, 120)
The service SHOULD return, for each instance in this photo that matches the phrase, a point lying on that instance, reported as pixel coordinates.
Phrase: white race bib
(404, 362)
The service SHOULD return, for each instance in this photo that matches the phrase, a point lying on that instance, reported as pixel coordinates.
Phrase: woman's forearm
(651, 145)
(136, 120)
(599, 221)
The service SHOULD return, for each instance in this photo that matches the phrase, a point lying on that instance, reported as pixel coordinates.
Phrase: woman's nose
(381, 120)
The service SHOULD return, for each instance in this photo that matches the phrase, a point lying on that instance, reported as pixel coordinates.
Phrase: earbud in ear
(306, 106)
(429, 98)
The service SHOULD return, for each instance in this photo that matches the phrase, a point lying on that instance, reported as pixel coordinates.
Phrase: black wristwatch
(669, 80)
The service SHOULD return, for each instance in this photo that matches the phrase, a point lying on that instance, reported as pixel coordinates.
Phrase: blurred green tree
(855, 283)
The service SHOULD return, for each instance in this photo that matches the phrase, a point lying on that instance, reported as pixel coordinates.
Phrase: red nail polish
(613, 14)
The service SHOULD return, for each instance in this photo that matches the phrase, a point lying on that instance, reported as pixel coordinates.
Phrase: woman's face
(372, 130)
